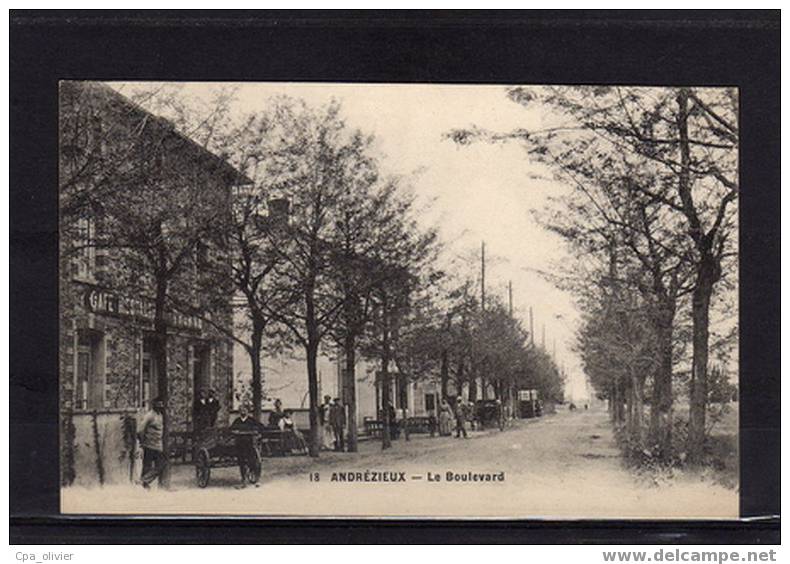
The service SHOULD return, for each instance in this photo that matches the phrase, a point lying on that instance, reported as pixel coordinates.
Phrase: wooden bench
(274, 441)
(420, 424)
(373, 427)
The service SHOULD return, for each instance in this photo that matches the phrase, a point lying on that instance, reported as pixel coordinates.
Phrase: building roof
(110, 96)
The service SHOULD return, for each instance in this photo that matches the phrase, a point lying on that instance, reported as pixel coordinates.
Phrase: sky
(473, 194)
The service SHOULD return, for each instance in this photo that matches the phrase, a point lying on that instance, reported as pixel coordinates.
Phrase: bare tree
(687, 140)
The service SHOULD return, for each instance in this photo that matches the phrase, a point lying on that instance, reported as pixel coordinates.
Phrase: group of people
(282, 419)
(332, 417)
(205, 410)
(455, 419)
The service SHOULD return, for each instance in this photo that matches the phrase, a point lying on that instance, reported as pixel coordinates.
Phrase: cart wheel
(203, 468)
(254, 473)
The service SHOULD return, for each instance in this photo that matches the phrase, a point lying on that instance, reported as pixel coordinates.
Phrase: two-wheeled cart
(221, 448)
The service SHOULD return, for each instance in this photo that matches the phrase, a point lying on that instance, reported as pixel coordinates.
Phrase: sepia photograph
(392, 300)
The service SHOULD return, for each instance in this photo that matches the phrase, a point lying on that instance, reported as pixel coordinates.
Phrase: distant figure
(337, 420)
(390, 414)
(277, 414)
(585, 407)
(150, 435)
(323, 418)
(572, 407)
(461, 415)
(445, 419)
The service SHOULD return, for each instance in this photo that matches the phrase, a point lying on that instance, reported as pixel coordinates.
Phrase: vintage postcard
(398, 300)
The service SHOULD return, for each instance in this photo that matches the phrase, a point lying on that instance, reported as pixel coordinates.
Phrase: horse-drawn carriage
(489, 413)
(226, 447)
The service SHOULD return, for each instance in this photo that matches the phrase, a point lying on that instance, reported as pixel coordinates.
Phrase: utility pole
(483, 276)
(510, 296)
(531, 328)
(482, 309)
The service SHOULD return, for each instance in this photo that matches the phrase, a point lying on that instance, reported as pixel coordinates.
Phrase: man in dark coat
(201, 417)
(392, 414)
(212, 408)
(337, 420)
(461, 415)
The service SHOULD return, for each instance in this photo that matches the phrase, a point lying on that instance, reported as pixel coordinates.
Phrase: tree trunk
(386, 441)
(459, 381)
(637, 409)
(629, 412)
(619, 403)
(314, 447)
(700, 312)
(662, 400)
(162, 383)
(256, 342)
(444, 374)
(444, 370)
(350, 389)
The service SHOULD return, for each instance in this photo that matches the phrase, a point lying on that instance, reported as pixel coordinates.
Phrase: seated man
(245, 443)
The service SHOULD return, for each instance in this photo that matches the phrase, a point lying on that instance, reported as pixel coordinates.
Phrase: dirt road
(560, 466)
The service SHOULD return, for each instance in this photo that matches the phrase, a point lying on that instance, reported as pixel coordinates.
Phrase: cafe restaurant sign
(106, 302)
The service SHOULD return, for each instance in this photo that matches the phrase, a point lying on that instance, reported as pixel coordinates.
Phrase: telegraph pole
(483, 276)
(510, 296)
(531, 328)
(482, 309)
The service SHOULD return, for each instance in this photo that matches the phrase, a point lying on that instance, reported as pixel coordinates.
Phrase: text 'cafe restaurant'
(108, 373)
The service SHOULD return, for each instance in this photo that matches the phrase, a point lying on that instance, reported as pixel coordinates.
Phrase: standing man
(337, 420)
(460, 418)
(201, 419)
(212, 408)
(150, 435)
(392, 414)
(245, 427)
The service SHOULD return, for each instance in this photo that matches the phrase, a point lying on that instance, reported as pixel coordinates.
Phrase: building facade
(108, 371)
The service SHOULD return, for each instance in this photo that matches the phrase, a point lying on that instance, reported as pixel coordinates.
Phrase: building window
(430, 402)
(85, 257)
(89, 373)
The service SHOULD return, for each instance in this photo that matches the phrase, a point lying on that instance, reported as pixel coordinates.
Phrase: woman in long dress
(294, 440)
(445, 418)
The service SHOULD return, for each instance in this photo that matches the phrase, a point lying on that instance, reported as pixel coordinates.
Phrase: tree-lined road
(565, 465)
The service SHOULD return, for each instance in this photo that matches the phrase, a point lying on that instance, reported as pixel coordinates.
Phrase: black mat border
(738, 48)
